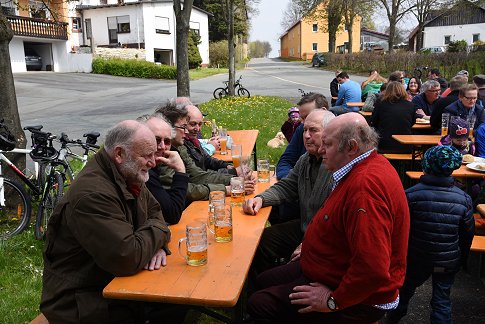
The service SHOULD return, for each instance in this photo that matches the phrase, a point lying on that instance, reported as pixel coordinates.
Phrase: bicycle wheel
(243, 92)
(15, 213)
(220, 93)
(50, 199)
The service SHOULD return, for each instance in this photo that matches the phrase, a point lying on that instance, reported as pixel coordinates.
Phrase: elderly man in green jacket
(108, 224)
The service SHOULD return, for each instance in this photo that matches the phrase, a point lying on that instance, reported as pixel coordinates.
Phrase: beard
(132, 172)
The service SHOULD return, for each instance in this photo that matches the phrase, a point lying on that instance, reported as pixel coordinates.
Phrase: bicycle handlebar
(64, 139)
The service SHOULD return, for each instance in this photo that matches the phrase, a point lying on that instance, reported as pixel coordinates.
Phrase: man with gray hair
(108, 224)
(353, 255)
(426, 100)
(308, 183)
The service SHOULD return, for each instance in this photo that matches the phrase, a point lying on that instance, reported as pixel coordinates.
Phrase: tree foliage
(259, 49)
(395, 11)
(193, 51)
(457, 46)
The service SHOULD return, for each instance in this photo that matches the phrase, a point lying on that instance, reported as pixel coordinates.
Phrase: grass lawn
(196, 74)
(21, 257)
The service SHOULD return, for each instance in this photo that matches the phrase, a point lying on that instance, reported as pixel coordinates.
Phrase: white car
(434, 49)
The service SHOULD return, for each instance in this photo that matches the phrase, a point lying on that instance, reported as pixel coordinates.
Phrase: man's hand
(244, 171)
(252, 205)
(158, 260)
(215, 142)
(249, 185)
(173, 160)
(296, 254)
(314, 295)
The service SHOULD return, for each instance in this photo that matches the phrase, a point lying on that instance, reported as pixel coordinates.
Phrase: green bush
(133, 68)
(457, 46)
(219, 53)
(193, 51)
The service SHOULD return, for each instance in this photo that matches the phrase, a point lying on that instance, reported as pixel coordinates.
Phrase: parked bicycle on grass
(220, 93)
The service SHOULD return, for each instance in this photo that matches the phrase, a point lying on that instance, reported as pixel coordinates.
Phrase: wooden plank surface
(417, 139)
(462, 172)
(355, 104)
(365, 113)
(481, 209)
(246, 137)
(478, 244)
(216, 284)
(421, 126)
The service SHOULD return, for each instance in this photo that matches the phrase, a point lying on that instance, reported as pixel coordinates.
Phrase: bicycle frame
(65, 154)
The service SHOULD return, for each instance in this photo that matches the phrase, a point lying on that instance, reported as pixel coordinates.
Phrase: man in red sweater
(353, 257)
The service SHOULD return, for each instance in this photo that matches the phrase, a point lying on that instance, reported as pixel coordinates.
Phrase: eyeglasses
(470, 98)
(435, 91)
(166, 141)
(183, 127)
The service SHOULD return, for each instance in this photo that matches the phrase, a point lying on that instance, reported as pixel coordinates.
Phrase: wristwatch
(331, 304)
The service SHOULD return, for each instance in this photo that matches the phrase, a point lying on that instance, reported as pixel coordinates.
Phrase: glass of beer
(223, 223)
(263, 171)
(471, 124)
(215, 198)
(196, 244)
(236, 153)
(445, 120)
(237, 191)
(223, 140)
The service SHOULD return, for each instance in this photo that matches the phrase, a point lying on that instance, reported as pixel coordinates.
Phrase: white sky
(266, 26)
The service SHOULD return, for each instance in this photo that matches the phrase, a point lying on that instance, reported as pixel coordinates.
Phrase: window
(195, 27)
(314, 28)
(38, 9)
(123, 23)
(315, 47)
(76, 24)
(162, 25)
(447, 39)
(476, 38)
(89, 30)
(103, 2)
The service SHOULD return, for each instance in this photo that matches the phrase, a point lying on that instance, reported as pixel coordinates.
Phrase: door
(112, 31)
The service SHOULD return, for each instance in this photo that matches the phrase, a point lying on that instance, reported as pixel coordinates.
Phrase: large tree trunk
(231, 46)
(182, 17)
(350, 29)
(392, 33)
(8, 99)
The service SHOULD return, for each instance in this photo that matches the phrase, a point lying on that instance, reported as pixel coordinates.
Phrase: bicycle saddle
(33, 128)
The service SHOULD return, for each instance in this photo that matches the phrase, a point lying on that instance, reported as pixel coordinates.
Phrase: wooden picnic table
(355, 104)
(421, 126)
(462, 172)
(218, 283)
(365, 113)
(481, 209)
(247, 138)
(417, 140)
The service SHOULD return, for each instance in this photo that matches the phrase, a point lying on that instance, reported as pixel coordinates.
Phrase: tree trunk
(350, 28)
(231, 46)
(8, 98)
(182, 17)
(392, 32)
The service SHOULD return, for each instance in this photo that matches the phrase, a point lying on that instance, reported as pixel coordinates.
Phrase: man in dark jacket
(443, 102)
(466, 107)
(435, 74)
(427, 99)
(108, 224)
(441, 233)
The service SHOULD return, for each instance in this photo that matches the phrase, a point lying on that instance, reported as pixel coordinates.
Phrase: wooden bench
(40, 320)
(355, 104)
(400, 156)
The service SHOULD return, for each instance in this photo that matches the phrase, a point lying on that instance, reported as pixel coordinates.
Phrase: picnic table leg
(254, 155)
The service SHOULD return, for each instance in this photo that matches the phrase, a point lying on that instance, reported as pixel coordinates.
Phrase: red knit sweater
(357, 242)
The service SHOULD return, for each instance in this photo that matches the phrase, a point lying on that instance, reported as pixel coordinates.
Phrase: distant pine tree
(193, 51)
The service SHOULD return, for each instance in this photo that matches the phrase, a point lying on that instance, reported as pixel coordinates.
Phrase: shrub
(193, 51)
(219, 53)
(457, 46)
(133, 68)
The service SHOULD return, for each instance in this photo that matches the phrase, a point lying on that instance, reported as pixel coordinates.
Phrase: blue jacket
(349, 91)
(293, 151)
(457, 109)
(442, 224)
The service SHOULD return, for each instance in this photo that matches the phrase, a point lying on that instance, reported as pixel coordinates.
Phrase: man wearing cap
(442, 228)
(479, 81)
(466, 106)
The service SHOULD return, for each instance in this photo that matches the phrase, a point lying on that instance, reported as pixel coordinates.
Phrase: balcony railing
(35, 27)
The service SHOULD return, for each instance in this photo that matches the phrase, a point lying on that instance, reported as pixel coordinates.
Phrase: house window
(162, 25)
(38, 9)
(476, 38)
(314, 28)
(89, 30)
(315, 47)
(447, 39)
(76, 24)
(195, 27)
(103, 2)
(123, 23)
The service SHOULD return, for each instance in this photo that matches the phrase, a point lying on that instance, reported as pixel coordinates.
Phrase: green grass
(21, 257)
(196, 74)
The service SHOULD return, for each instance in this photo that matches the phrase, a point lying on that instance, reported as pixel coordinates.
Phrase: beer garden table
(219, 283)
(245, 137)
(419, 143)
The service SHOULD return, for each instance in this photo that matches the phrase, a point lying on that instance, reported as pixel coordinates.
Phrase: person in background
(458, 133)
(393, 114)
(442, 228)
(479, 81)
(462, 73)
(435, 74)
(372, 84)
(455, 84)
(414, 88)
(289, 126)
(374, 98)
(425, 101)
(466, 106)
(397, 76)
(334, 87)
(349, 92)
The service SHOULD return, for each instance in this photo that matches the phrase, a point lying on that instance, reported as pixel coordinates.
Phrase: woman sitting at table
(393, 114)
(413, 88)
(372, 84)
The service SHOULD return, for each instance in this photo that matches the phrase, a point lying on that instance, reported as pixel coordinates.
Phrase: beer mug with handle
(215, 198)
(222, 229)
(196, 244)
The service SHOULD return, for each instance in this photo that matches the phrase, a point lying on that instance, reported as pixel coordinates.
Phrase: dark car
(318, 59)
(32, 60)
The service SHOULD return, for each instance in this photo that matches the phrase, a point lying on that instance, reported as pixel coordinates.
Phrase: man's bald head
(195, 121)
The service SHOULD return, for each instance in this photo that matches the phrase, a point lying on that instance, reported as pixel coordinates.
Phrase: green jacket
(200, 182)
(98, 231)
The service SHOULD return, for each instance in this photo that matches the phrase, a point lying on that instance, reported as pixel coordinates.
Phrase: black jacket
(440, 106)
(442, 224)
(334, 85)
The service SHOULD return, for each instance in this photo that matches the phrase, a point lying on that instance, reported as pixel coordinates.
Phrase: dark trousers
(271, 304)
(416, 275)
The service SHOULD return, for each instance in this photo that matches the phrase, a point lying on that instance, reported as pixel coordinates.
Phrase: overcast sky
(267, 25)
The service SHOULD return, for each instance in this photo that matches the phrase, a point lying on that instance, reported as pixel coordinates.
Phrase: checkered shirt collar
(342, 172)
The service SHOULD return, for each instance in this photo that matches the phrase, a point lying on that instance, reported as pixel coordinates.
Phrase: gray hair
(162, 118)
(327, 118)
(429, 84)
(120, 134)
(365, 136)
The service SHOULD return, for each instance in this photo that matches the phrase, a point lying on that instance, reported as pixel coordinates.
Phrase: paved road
(78, 102)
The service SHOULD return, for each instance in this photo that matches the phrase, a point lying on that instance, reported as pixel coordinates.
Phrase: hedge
(134, 68)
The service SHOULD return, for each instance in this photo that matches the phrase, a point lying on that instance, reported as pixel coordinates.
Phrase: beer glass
(445, 120)
(471, 124)
(222, 223)
(215, 198)
(236, 153)
(223, 140)
(263, 171)
(196, 244)
(237, 191)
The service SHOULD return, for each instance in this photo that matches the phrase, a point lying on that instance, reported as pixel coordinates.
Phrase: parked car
(318, 59)
(433, 49)
(33, 61)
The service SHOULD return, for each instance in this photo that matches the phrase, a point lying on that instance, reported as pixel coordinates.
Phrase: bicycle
(220, 93)
(15, 202)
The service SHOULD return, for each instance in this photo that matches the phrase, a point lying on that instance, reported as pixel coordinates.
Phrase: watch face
(331, 304)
